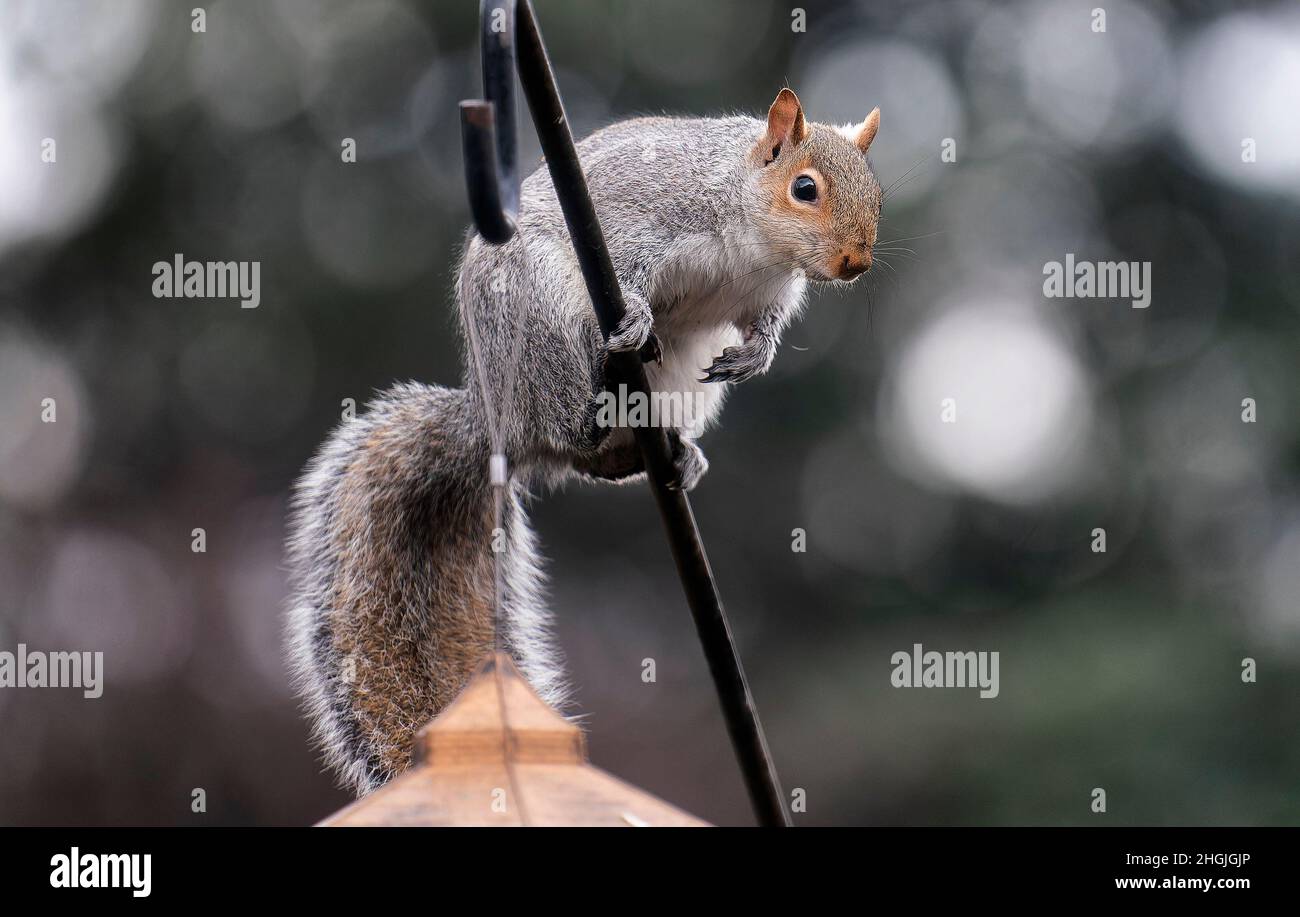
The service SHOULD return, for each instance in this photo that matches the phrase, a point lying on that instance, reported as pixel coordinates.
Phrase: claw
(633, 332)
(739, 364)
(719, 370)
(651, 351)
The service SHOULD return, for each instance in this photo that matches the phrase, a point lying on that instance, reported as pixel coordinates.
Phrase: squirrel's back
(652, 170)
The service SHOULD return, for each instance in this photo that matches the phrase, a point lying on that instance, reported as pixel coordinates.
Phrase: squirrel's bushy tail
(390, 554)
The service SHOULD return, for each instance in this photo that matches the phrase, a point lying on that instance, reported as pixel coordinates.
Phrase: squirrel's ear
(867, 130)
(785, 125)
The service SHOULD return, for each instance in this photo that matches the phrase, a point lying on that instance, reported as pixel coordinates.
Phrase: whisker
(769, 266)
(907, 176)
(927, 235)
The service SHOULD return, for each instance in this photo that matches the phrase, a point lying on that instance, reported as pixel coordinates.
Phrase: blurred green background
(1119, 670)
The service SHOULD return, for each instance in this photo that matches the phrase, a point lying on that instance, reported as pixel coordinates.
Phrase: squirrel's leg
(619, 463)
(590, 435)
(622, 462)
(562, 385)
(595, 451)
(749, 359)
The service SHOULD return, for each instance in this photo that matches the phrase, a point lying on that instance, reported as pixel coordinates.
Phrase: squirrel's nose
(853, 264)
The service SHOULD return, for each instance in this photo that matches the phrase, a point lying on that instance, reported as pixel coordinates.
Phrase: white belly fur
(687, 354)
(711, 297)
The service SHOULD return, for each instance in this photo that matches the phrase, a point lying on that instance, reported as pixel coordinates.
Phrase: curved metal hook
(487, 129)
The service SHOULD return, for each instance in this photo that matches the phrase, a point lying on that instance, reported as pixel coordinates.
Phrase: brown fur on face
(832, 238)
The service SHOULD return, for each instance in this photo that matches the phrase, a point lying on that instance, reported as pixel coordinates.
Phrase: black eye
(804, 188)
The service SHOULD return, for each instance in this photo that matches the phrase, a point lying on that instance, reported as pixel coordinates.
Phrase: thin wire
(499, 470)
(499, 475)
(494, 470)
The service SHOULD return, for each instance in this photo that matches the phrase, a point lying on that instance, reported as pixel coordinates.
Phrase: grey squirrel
(715, 227)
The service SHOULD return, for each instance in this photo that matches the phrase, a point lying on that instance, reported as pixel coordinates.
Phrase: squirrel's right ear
(785, 125)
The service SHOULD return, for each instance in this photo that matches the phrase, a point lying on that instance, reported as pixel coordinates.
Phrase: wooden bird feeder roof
(499, 756)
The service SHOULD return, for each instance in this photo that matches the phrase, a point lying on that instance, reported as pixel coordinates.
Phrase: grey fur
(704, 257)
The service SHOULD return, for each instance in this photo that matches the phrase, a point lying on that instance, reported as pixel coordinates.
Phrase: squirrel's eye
(804, 188)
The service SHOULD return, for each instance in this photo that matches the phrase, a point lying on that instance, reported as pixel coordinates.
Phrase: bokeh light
(1096, 88)
(989, 400)
(1239, 79)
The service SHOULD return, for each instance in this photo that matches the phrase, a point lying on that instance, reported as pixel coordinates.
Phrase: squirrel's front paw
(740, 363)
(636, 332)
(689, 461)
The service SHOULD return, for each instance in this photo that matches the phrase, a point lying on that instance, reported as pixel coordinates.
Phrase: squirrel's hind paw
(689, 461)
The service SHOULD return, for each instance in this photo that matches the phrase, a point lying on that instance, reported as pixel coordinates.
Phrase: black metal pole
(675, 509)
